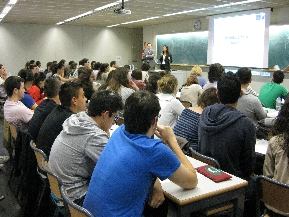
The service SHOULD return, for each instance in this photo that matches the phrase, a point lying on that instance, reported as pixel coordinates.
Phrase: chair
(14, 132)
(186, 104)
(75, 210)
(205, 159)
(39, 154)
(226, 208)
(55, 184)
(273, 193)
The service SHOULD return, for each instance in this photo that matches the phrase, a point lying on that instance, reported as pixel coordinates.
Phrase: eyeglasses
(115, 118)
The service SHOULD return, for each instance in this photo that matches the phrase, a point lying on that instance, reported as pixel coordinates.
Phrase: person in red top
(36, 90)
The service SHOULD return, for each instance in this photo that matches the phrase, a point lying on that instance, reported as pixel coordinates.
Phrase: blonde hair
(168, 83)
(196, 70)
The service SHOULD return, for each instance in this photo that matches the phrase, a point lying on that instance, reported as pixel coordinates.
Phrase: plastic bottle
(278, 103)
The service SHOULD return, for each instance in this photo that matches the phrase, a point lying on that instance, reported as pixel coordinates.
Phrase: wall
(22, 42)
(278, 17)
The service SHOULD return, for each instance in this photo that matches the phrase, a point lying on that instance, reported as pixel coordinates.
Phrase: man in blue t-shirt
(126, 174)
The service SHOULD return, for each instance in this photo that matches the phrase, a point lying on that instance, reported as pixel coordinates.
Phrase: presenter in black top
(166, 59)
(149, 56)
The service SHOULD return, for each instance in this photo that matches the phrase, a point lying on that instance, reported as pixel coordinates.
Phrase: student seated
(277, 157)
(126, 174)
(136, 77)
(269, 92)
(191, 91)
(216, 70)
(77, 148)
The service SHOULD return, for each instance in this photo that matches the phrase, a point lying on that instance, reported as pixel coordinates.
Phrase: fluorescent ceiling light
(99, 9)
(188, 11)
(7, 8)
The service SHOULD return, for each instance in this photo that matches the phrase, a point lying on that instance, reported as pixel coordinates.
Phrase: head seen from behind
(141, 112)
(245, 75)
(229, 88)
(27, 76)
(168, 84)
(278, 77)
(52, 87)
(196, 70)
(119, 78)
(216, 70)
(208, 97)
(191, 80)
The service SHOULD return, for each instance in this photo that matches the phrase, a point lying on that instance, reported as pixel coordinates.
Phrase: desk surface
(261, 146)
(204, 189)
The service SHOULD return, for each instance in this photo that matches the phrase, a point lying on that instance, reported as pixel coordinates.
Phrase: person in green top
(269, 92)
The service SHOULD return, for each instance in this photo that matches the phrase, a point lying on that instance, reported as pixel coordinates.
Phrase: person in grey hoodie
(77, 148)
(226, 134)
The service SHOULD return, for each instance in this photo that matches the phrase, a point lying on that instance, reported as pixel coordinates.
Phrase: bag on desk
(213, 173)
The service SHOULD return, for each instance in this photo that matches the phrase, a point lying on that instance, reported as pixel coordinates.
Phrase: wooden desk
(206, 194)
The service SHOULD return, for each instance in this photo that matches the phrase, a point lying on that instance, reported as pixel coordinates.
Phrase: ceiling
(52, 12)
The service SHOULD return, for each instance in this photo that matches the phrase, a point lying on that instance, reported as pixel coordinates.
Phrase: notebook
(213, 173)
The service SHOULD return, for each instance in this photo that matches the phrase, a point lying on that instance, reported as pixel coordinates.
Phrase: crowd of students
(69, 117)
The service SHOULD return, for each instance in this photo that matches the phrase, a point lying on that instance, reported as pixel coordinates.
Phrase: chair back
(205, 159)
(39, 154)
(54, 181)
(120, 121)
(186, 104)
(74, 209)
(273, 193)
(13, 130)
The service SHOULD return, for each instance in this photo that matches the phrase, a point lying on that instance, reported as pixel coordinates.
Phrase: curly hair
(196, 70)
(119, 79)
(281, 127)
(216, 70)
(191, 80)
(168, 83)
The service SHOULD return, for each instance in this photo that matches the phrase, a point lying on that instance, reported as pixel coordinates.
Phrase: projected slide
(239, 40)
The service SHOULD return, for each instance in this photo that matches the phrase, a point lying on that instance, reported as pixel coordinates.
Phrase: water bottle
(278, 103)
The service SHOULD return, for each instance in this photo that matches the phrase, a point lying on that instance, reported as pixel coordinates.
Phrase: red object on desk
(213, 173)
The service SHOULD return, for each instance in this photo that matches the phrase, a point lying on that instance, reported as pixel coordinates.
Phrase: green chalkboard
(191, 48)
(186, 48)
(279, 46)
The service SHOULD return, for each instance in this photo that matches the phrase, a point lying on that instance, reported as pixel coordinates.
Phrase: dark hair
(229, 87)
(145, 67)
(152, 84)
(96, 66)
(167, 48)
(127, 66)
(84, 60)
(278, 77)
(26, 75)
(119, 79)
(216, 70)
(52, 87)
(32, 66)
(208, 97)
(38, 63)
(112, 63)
(67, 91)
(105, 100)
(12, 82)
(62, 62)
(136, 74)
(102, 68)
(244, 75)
(1, 66)
(191, 80)
(39, 76)
(84, 75)
(141, 107)
(92, 63)
(48, 65)
(281, 127)
(32, 62)
(70, 62)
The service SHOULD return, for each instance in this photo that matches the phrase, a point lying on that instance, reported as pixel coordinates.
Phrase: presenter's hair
(244, 75)
(140, 109)
(167, 48)
(105, 100)
(229, 87)
(196, 70)
(167, 84)
(216, 70)
(278, 77)
(11, 83)
(208, 97)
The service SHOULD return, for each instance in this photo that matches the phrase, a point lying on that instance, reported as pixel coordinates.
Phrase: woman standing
(166, 59)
